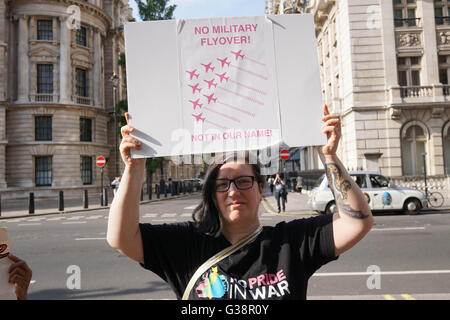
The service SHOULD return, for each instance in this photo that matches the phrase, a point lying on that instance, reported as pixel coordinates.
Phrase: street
(70, 258)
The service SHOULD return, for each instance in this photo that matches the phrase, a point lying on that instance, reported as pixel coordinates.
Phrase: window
(441, 12)
(408, 71)
(45, 30)
(444, 67)
(43, 128)
(82, 89)
(360, 180)
(86, 169)
(85, 129)
(43, 170)
(405, 13)
(81, 37)
(378, 181)
(413, 146)
(44, 78)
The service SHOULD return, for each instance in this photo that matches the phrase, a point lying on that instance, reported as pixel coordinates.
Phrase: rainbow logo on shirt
(213, 285)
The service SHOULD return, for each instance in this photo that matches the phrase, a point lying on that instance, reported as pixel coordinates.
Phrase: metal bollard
(105, 191)
(165, 191)
(142, 193)
(31, 203)
(85, 200)
(158, 194)
(184, 187)
(61, 201)
(150, 192)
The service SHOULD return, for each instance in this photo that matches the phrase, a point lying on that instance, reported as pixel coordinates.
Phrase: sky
(189, 9)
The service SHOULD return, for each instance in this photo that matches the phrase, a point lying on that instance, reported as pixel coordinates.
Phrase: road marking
(82, 239)
(30, 224)
(397, 229)
(56, 219)
(93, 217)
(191, 207)
(165, 220)
(388, 297)
(334, 274)
(74, 222)
(76, 218)
(186, 215)
(35, 219)
(150, 215)
(168, 215)
(407, 297)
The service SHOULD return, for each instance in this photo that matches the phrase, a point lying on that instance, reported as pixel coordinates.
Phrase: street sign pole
(102, 200)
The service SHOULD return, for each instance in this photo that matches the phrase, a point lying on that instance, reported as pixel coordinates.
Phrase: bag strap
(217, 258)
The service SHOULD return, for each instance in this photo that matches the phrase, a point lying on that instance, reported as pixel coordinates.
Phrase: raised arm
(354, 218)
(123, 224)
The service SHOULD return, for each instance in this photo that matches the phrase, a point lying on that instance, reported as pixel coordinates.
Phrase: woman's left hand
(332, 128)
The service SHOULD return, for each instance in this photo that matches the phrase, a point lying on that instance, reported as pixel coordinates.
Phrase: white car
(380, 193)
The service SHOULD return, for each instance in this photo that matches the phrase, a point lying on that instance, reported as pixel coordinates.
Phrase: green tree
(155, 10)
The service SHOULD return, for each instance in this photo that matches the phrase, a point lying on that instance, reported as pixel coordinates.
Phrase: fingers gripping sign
(128, 143)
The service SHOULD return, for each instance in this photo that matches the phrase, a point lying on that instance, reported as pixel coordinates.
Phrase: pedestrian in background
(299, 185)
(115, 185)
(270, 181)
(280, 190)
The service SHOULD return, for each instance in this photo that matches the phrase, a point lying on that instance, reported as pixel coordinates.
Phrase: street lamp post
(115, 83)
(424, 154)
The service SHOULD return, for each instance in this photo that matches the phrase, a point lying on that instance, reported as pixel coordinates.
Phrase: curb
(93, 209)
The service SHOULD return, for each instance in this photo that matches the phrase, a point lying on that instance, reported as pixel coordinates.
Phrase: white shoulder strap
(218, 257)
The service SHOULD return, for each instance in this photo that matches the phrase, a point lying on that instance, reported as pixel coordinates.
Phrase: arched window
(446, 146)
(414, 138)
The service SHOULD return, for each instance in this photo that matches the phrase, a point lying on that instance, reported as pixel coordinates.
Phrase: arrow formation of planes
(223, 77)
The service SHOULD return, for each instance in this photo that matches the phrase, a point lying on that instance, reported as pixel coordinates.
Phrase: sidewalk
(296, 204)
(45, 206)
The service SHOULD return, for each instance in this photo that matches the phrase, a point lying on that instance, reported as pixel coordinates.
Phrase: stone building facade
(385, 67)
(56, 99)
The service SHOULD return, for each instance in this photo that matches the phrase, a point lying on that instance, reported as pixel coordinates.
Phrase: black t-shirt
(277, 265)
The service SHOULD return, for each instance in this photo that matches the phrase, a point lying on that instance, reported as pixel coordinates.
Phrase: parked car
(380, 193)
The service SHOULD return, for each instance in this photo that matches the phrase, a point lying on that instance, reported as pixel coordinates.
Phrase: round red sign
(101, 161)
(284, 154)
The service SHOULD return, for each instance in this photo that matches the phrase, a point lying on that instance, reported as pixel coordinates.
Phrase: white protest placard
(7, 290)
(223, 84)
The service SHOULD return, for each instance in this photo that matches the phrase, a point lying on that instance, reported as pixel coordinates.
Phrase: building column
(23, 61)
(430, 58)
(97, 67)
(64, 61)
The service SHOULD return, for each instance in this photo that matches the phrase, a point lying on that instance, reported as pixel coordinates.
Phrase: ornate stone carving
(444, 37)
(409, 40)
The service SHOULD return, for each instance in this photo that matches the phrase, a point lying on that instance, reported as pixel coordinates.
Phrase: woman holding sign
(225, 253)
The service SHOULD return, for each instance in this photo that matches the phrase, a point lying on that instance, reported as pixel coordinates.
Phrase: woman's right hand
(128, 143)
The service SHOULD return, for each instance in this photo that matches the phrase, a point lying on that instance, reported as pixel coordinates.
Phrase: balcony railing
(44, 97)
(407, 22)
(416, 91)
(82, 100)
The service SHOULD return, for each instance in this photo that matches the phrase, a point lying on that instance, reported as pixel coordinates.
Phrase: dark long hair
(206, 215)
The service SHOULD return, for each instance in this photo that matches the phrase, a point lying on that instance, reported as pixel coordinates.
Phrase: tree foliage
(150, 10)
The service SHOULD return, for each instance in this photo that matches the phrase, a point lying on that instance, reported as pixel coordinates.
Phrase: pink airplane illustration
(196, 104)
(193, 74)
(198, 117)
(238, 54)
(222, 77)
(211, 83)
(210, 98)
(224, 62)
(195, 88)
(208, 67)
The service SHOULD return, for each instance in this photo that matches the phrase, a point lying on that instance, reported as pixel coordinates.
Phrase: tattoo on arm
(340, 188)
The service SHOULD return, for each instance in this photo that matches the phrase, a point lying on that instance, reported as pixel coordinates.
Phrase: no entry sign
(284, 154)
(101, 161)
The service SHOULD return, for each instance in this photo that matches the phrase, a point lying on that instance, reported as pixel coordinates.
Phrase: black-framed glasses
(242, 183)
